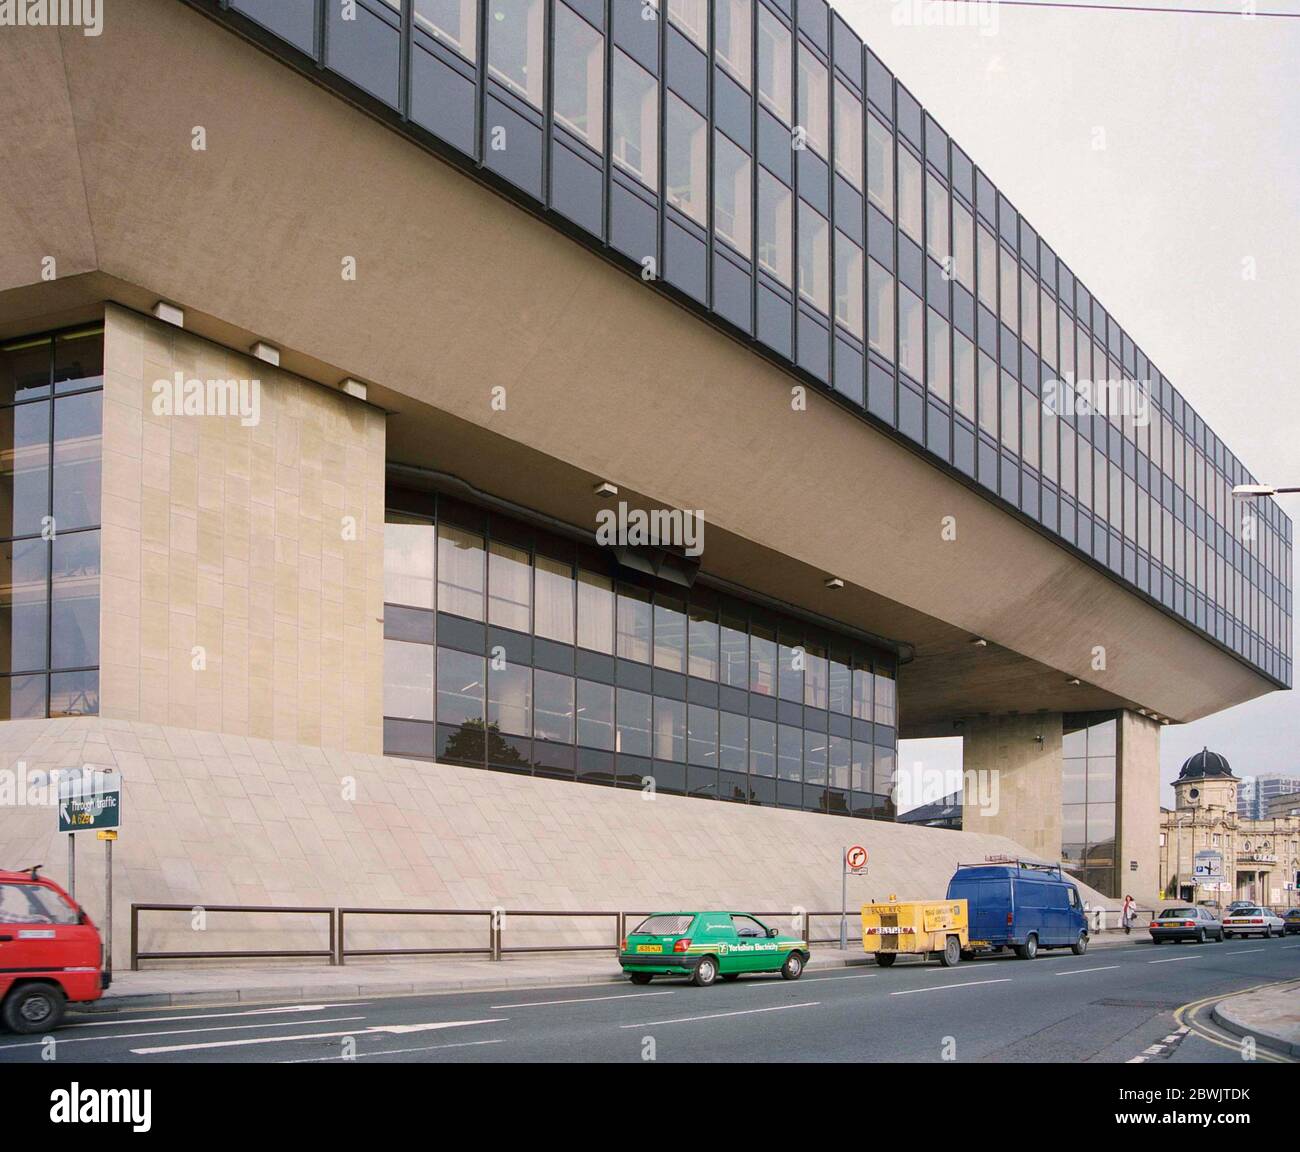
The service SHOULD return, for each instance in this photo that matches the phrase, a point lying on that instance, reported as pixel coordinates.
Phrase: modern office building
(494, 274)
(1256, 794)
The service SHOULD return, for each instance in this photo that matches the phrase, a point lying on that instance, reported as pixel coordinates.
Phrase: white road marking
(211, 1015)
(941, 987)
(397, 1029)
(579, 1000)
(176, 1032)
(1174, 959)
(392, 1052)
(811, 980)
(720, 1015)
(1243, 951)
(1080, 971)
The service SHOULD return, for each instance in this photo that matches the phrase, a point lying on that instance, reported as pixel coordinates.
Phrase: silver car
(1254, 921)
(1186, 922)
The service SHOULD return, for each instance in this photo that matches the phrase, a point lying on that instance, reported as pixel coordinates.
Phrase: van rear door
(988, 902)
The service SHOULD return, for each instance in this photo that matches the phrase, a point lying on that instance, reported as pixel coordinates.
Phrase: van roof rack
(1016, 861)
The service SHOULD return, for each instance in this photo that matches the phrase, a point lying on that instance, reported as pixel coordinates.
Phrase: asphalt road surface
(1137, 1003)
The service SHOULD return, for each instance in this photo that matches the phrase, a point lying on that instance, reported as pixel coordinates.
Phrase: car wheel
(706, 972)
(34, 1008)
(792, 969)
(1155, 939)
(641, 977)
(1080, 946)
(1200, 936)
(950, 957)
(885, 959)
(1029, 949)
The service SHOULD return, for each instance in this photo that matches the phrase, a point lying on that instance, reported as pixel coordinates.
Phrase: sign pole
(72, 865)
(844, 900)
(108, 906)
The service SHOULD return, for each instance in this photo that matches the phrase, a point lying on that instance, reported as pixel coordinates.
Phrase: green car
(706, 945)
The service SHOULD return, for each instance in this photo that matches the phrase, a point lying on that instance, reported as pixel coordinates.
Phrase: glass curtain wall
(512, 649)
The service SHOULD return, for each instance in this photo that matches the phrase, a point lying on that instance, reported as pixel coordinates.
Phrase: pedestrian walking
(1127, 914)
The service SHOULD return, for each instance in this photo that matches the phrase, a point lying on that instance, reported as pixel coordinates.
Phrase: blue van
(1020, 904)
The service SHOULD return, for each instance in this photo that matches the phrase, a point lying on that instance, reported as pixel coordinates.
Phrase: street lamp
(1250, 491)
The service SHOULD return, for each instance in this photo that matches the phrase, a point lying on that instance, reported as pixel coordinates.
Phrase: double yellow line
(1186, 1017)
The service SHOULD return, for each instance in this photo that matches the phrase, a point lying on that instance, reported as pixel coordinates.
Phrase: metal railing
(494, 929)
(238, 954)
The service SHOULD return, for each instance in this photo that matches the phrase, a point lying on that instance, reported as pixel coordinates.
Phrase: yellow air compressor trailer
(919, 927)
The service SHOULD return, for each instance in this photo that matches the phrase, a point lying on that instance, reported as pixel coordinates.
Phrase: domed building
(1209, 852)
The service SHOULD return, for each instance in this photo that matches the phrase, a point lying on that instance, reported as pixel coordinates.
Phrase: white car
(1252, 922)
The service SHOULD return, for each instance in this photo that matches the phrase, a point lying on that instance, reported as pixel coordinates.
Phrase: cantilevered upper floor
(697, 211)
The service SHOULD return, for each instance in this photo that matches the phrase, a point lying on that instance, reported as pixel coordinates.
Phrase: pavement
(161, 987)
(1119, 1003)
(1270, 1015)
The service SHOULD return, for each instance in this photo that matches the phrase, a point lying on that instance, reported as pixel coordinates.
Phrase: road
(1112, 1005)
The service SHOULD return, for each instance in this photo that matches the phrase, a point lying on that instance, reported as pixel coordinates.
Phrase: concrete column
(1137, 815)
(1017, 783)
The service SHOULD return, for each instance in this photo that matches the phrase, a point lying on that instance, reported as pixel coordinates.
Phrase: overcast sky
(1200, 173)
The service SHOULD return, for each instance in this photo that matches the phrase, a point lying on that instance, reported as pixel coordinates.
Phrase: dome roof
(1204, 763)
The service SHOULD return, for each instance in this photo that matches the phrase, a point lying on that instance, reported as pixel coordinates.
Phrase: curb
(1262, 1038)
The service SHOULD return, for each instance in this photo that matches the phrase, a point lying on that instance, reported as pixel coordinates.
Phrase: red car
(50, 953)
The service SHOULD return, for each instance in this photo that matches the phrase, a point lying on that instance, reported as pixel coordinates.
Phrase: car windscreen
(663, 926)
(1178, 914)
(1248, 911)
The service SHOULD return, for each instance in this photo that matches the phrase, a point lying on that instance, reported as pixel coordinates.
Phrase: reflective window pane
(515, 46)
(848, 285)
(23, 605)
(909, 194)
(670, 633)
(774, 226)
(731, 37)
(848, 135)
(555, 600)
(880, 165)
(692, 17)
(814, 110)
(552, 707)
(774, 64)
(460, 572)
(937, 376)
(509, 587)
(733, 653)
(408, 561)
(814, 258)
(703, 643)
(74, 602)
(635, 119)
(732, 194)
(880, 309)
(408, 680)
(454, 22)
(670, 730)
(509, 702)
(936, 219)
(595, 715)
(460, 688)
(911, 358)
(24, 468)
(579, 77)
(633, 731)
(595, 612)
(702, 736)
(688, 162)
(633, 623)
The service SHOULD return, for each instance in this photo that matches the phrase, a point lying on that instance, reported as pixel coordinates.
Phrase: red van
(50, 953)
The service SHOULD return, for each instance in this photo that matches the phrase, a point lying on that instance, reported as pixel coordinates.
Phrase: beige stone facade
(1257, 859)
(215, 818)
(242, 562)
